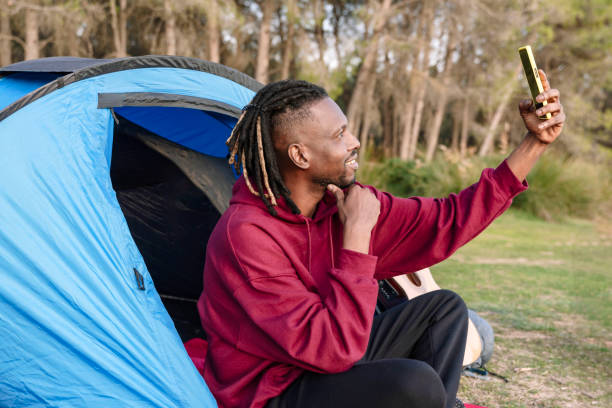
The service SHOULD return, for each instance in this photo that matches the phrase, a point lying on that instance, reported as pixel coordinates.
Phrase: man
(290, 277)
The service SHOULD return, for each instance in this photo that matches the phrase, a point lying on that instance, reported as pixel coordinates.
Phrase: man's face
(332, 149)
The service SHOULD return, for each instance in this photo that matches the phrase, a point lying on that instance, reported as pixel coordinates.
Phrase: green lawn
(546, 288)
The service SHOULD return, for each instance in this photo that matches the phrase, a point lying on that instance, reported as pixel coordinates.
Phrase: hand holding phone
(533, 78)
(543, 114)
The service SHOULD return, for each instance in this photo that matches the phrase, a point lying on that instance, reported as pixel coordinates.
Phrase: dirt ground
(536, 376)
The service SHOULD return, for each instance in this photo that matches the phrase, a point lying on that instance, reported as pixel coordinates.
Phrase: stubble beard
(340, 181)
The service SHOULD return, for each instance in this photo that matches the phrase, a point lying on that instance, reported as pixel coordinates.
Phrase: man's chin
(346, 182)
(346, 185)
(341, 182)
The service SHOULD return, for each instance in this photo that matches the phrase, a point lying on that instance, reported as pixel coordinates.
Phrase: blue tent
(112, 176)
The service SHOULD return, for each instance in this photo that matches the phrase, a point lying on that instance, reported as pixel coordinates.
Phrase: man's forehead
(327, 115)
(317, 121)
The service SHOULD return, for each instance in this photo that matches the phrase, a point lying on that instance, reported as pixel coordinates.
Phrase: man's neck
(305, 195)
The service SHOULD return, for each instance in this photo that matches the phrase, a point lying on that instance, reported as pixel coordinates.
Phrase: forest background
(420, 81)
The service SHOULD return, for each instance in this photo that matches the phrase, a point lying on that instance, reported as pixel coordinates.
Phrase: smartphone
(533, 78)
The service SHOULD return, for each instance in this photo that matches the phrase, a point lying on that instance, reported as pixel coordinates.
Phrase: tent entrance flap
(194, 122)
(171, 197)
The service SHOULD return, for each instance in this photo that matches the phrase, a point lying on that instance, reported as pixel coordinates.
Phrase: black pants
(413, 359)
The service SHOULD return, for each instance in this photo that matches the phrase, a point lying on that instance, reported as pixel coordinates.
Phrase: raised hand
(546, 131)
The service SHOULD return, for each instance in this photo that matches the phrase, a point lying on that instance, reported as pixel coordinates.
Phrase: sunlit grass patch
(546, 290)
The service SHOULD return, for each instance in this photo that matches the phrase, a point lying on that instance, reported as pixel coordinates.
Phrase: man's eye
(341, 134)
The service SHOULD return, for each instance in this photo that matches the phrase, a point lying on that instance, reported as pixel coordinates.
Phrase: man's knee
(456, 302)
(412, 383)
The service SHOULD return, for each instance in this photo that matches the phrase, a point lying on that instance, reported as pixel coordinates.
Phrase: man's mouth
(352, 164)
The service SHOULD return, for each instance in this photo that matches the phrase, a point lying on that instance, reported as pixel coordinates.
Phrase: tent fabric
(82, 323)
(17, 85)
(184, 126)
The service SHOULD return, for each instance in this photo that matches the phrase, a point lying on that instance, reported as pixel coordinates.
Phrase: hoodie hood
(241, 195)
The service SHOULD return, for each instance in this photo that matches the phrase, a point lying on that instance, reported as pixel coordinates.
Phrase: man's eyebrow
(340, 129)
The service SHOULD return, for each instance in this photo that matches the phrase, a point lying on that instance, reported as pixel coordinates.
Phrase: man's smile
(352, 163)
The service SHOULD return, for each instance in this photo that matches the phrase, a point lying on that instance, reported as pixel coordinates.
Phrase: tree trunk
(413, 137)
(263, 54)
(487, 144)
(5, 34)
(288, 45)
(170, 28)
(118, 24)
(357, 104)
(405, 139)
(337, 12)
(214, 37)
(456, 127)
(419, 104)
(365, 129)
(409, 110)
(387, 122)
(123, 26)
(504, 138)
(367, 112)
(73, 40)
(465, 127)
(367, 117)
(434, 131)
(319, 16)
(397, 135)
(115, 26)
(31, 34)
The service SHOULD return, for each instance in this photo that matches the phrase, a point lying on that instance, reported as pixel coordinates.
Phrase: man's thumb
(337, 192)
(526, 106)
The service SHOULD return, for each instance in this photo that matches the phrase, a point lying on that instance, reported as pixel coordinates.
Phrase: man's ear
(298, 154)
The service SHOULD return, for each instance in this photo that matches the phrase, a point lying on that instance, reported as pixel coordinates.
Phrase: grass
(546, 288)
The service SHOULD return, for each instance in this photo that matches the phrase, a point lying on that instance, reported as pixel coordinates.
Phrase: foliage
(415, 178)
(562, 186)
(559, 186)
(577, 56)
(430, 60)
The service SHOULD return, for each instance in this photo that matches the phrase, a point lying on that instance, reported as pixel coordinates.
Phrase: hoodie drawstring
(331, 242)
(309, 244)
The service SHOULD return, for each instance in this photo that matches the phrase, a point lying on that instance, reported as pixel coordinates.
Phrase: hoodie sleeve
(415, 233)
(291, 322)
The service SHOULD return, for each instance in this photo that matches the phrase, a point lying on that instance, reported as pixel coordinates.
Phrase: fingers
(555, 120)
(338, 193)
(551, 95)
(544, 80)
(553, 107)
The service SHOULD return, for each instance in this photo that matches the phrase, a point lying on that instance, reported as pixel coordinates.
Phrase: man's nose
(354, 142)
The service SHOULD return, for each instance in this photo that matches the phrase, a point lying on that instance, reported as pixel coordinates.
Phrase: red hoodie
(282, 296)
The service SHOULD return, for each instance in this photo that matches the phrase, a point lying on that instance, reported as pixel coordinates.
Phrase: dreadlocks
(251, 143)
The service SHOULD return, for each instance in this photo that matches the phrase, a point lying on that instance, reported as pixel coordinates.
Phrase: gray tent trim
(115, 65)
(115, 100)
(52, 64)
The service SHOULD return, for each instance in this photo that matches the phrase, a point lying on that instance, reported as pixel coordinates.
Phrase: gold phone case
(533, 78)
